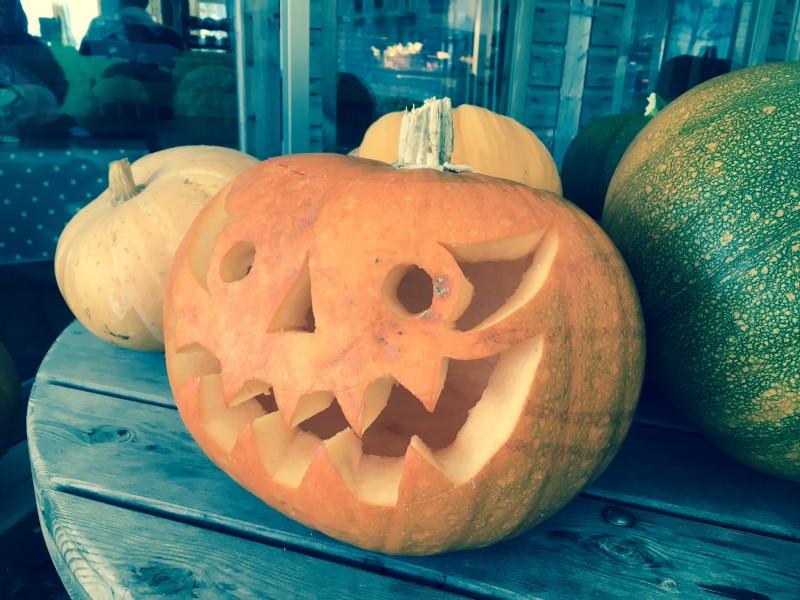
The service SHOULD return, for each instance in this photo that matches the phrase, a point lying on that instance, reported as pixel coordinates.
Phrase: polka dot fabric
(41, 190)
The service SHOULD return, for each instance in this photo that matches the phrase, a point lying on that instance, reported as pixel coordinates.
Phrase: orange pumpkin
(409, 360)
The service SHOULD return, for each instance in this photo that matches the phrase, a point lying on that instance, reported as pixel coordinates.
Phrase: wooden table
(131, 508)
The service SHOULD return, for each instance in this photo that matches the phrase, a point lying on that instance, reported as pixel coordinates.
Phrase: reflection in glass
(85, 83)
(395, 54)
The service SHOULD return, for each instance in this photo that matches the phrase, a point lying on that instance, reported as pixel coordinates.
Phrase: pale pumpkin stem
(120, 182)
(426, 137)
(655, 104)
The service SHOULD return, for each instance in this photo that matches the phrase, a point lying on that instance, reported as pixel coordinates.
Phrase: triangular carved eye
(493, 286)
(504, 275)
(296, 312)
(200, 258)
(237, 262)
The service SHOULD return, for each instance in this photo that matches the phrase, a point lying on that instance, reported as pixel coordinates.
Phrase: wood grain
(663, 465)
(79, 359)
(113, 451)
(683, 474)
(119, 553)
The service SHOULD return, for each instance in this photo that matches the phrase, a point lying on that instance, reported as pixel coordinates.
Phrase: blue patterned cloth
(41, 190)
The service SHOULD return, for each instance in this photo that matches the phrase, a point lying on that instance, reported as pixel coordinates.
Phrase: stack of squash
(306, 302)
(339, 328)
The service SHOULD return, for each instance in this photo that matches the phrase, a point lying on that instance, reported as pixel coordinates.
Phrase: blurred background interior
(83, 82)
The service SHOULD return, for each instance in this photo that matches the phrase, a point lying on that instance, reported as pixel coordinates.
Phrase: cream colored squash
(113, 257)
(490, 143)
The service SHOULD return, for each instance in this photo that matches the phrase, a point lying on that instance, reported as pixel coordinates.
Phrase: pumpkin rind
(488, 142)
(347, 222)
(112, 259)
(705, 207)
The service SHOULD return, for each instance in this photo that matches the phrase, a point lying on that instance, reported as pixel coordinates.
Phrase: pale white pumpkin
(113, 257)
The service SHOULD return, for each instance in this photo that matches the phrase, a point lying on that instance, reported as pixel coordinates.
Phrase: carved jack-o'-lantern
(411, 361)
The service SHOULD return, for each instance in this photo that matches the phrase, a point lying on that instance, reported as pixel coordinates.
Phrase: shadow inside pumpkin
(454, 413)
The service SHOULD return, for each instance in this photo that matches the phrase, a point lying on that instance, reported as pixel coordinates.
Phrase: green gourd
(705, 208)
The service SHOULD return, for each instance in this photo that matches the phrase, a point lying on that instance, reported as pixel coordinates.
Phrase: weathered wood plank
(547, 65)
(682, 473)
(330, 40)
(674, 472)
(596, 102)
(663, 466)
(521, 60)
(152, 463)
(541, 110)
(572, 84)
(259, 72)
(608, 29)
(115, 552)
(79, 359)
(601, 69)
(550, 22)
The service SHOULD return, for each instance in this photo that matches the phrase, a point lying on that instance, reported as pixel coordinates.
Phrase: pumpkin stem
(120, 182)
(426, 137)
(655, 104)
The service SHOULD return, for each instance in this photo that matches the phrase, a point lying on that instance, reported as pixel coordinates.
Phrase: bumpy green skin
(705, 207)
(592, 157)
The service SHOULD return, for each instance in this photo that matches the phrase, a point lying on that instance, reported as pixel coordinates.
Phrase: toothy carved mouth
(467, 428)
(455, 424)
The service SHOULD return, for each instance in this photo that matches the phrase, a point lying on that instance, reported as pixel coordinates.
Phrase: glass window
(394, 54)
(576, 61)
(83, 83)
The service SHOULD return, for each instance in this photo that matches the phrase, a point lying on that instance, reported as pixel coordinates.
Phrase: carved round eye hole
(408, 290)
(237, 262)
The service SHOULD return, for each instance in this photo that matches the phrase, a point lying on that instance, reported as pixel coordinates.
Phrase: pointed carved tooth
(222, 424)
(297, 459)
(344, 450)
(311, 404)
(376, 397)
(351, 401)
(250, 389)
(285, 453)
(332, 469)
(287, 401)
(193, 361)
(423, 476)
(272, 439)
(425, 380)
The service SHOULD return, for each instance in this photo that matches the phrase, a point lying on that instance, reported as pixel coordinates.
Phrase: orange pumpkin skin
(551, 371)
